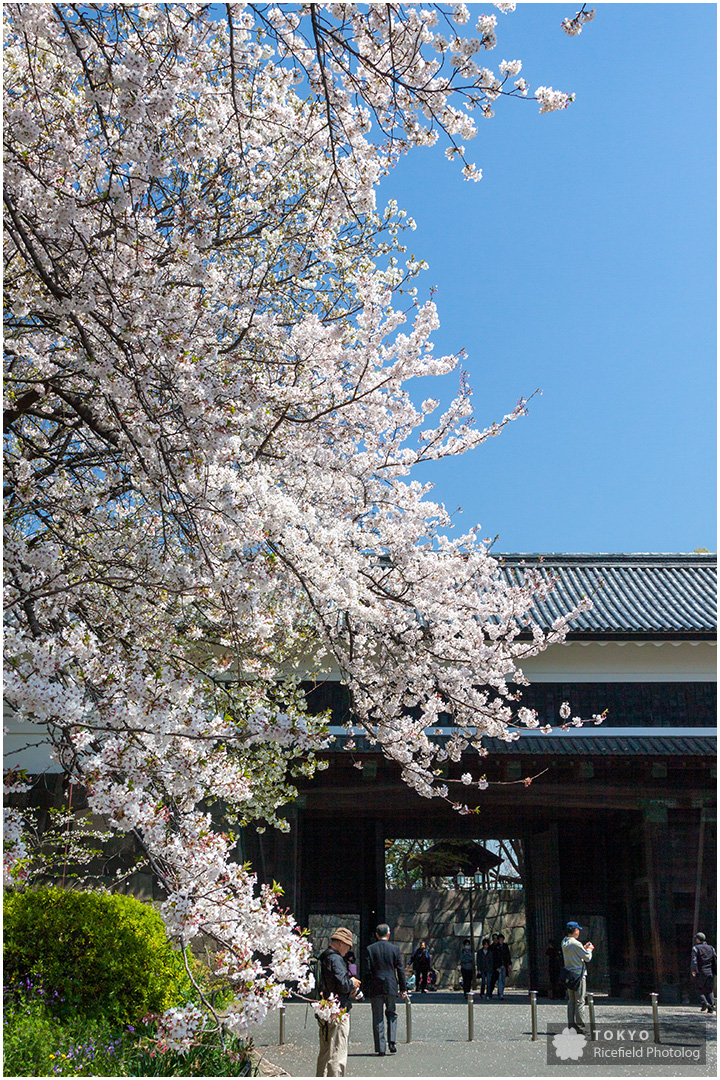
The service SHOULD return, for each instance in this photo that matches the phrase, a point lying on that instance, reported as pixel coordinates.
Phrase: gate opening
(444, 892)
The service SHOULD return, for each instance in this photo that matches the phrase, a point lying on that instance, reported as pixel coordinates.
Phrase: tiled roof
(579, 745)
(608, 745)
(645, 595)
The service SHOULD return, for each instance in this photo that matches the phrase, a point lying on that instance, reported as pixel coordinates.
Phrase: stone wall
(320, 927)
(441, 918)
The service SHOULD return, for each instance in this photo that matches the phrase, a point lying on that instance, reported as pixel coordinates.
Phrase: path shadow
(455, 997)
(687, 1032)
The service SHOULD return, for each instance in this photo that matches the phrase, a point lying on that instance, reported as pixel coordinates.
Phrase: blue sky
(584, 263)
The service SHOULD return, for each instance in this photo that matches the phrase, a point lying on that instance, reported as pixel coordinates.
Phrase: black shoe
(380, 1053)
(704, 1008)
(392, 1048)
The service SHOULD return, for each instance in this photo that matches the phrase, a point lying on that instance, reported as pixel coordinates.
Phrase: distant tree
(400, 871)
(513, 864)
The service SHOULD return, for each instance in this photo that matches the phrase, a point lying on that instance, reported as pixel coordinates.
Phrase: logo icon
(569, 1044)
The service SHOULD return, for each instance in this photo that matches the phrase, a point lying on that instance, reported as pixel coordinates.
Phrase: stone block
(140, 886)
(513, 920)
(402, 934)
(462, 930)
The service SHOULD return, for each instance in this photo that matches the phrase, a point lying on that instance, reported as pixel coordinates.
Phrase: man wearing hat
(575, 957)
(336, 979)
(703, 968)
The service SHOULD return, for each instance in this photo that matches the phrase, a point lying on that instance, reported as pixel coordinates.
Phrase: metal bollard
(281, 1039)
(591, 1009)
(471, 1018)
(408, 1021)
(533, 1014)
(656, 1018)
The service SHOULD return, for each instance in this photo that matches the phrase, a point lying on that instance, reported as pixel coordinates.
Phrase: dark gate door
(342, 870)
(543, 900)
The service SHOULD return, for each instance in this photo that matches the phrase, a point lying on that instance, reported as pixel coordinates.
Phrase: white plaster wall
(615, 661)
(24, 746)
(625, 661)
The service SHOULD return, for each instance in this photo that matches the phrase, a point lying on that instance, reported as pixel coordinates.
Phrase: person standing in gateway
(703, 967)
(386, 980)
(467, 968)
(575, 957)
(485, 961)
(421, 962)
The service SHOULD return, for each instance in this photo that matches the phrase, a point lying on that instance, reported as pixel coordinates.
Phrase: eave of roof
(654, 745)
(635, 596)
(609, 745)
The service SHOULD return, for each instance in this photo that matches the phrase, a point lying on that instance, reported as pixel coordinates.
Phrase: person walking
(421, 962)
(497, 955)
(703, 967)
(467, 968)
(485, 963)
(334, 978)
(575, 957)
(386, 981)
(505, 965)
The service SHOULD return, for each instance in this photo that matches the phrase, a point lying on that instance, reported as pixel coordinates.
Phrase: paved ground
(502, 1044)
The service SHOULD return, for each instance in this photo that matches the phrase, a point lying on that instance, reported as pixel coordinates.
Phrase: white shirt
(574, 953)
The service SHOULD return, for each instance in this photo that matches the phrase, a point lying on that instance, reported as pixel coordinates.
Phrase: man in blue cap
(575, 957)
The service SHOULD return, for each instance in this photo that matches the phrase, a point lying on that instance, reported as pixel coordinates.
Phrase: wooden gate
(543, 901)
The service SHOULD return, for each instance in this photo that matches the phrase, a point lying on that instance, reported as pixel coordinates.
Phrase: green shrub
(106, 955)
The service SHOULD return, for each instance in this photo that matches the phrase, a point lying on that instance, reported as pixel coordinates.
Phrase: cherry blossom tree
(210, 328)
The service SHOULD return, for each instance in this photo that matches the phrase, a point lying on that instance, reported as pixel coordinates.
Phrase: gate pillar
(542, 899)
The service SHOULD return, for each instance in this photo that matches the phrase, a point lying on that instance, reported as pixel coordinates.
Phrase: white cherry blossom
(210, 433)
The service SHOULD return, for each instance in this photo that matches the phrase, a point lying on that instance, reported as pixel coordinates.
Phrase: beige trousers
(332, 1058)
(576, 1006)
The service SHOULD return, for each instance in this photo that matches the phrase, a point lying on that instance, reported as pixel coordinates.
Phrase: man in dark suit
(386, 982)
